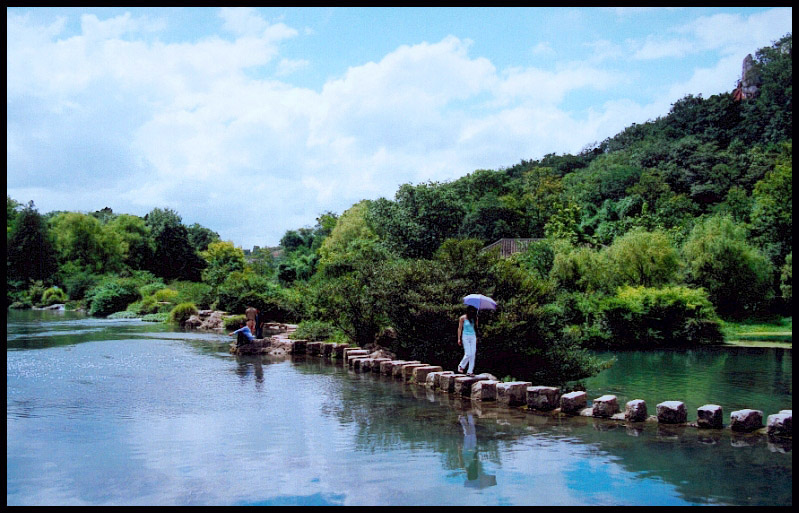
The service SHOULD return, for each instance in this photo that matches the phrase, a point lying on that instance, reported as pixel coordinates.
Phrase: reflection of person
(245, 336)
(467, 337)
(469, 457)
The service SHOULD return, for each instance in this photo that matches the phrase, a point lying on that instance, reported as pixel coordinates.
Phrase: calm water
(104, 412)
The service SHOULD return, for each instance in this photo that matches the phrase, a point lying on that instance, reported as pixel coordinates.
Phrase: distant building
(507, 247)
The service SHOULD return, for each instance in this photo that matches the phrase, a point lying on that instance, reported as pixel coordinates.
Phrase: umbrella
(480, 302)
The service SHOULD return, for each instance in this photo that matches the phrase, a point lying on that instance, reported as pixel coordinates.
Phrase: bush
(156, 317)
(127, 314)
(665, 317)
(113, 295)
(182, 312)
(243, 289)
(314, 330)
(53, 296)
(234, 322)
(201, 294)
(151, 288)
(166, 295)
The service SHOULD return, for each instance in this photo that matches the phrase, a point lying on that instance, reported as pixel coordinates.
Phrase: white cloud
(141, 123)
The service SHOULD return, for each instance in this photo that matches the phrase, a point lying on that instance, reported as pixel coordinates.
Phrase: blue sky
(252, 122)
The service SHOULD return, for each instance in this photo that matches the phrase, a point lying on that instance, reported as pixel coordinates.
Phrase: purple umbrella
(480, 302)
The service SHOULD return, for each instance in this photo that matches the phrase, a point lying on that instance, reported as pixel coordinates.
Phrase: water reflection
(470, 459)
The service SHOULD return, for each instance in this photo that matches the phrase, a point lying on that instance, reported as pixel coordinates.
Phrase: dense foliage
(645, 239)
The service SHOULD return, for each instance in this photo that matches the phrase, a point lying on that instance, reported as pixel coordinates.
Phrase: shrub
(156, 317)
(112, 295)
(201, 294)
(127, 314)
(314, 330)
(166, 295)
(54, 295)
(234, 322)
(182, 312)
(659, 317)
(151, 288)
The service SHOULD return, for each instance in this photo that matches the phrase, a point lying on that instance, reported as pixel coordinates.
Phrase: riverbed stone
(447, 381)
(463, 385)
(512, 393)
(352, 359)
(671, 412)
(780, 424)
(543, 398)
(298, 346)
(605, 406)
(433, 379)
(338, 350)
(635, 410)
(484, 390)
(710, 416)
(419, 375)
(573, 402)
(327, 349)
(313, 348)
(746, 420)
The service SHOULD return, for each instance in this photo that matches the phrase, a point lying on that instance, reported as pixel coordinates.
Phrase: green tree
(30, 254)
(174, 256)
(222, 258)
(82, 239)
(200, 237)
(642, 258)
(136, 246)
(736, 275)
(772, 213)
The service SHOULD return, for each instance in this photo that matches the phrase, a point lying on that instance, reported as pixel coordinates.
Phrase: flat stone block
(385, 367)
(313, 348)
(447, 381)
(338, 350)
(377, 362)
(362, 364)
(463, 385)
(543, 398)
(298, 347)
(355, 353)
(419, 374)
(573, 402)
(485, 390)
(671, 412)
(710, 416)
(780, 424)
(605, 406)
(408, 368)
(327, 348)
(353, 358)
(513, 393)
(746, 420)
(433, 379)
(635, 410)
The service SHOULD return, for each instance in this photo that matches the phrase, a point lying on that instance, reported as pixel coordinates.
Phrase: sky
(255, 121)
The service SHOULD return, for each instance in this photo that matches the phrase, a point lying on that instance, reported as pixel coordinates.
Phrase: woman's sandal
(460, 371)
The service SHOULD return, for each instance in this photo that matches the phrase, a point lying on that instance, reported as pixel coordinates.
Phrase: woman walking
(467, 337)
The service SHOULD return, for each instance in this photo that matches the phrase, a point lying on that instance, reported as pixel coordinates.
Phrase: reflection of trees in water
(699, 463)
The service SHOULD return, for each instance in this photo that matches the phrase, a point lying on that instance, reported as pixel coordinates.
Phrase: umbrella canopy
(480, 302)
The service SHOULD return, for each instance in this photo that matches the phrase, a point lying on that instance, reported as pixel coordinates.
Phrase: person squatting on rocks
(245, 336)
(467, 337)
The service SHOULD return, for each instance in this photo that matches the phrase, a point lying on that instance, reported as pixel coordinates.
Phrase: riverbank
(775, 333)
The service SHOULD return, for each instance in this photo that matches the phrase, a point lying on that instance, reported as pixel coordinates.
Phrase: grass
(777, 332)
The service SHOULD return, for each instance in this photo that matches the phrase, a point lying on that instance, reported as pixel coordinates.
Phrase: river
(104, 412)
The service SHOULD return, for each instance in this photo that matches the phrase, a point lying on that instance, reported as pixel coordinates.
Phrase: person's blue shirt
(468, 329)
(246, 332)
